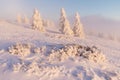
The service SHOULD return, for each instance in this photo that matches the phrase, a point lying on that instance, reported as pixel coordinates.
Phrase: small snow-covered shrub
(55, 56)
(37, 50)
(90, 53)
(64, 53)
(33, 69)
(38, 70)
(96, 57)
(94, 54)
(40, 49)
(17, 67)
(20, 49)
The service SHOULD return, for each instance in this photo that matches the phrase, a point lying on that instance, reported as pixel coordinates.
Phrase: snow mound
(20, 49)
(90, 53)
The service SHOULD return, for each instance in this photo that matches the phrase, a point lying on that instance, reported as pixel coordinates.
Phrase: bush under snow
(40, 50)
(90, 53)
(19, 49)
(36, 69)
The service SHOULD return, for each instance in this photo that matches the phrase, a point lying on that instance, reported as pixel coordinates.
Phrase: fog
(10, 8)
(102, 24)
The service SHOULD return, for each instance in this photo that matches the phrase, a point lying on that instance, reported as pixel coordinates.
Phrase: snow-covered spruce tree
(37, 22)
(26, 20)
(64, 24)
(20, 49)
(48, 23)
(101, 35)
(78, 27)
(111, 37)
(19, 19)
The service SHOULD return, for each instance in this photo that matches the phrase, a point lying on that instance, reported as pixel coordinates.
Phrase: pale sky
(51, 8)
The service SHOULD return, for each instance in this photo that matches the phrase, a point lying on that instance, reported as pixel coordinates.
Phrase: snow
(54, 56)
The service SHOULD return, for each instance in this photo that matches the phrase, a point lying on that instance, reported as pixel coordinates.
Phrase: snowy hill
(42, 63)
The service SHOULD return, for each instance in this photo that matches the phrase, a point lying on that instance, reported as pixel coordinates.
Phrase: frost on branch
(78, 27)
(90, 53)
(33, 69)
(64, 24)
(19, 49)
(37, 22)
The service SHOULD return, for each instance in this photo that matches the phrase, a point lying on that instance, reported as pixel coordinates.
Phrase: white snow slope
(40, 66)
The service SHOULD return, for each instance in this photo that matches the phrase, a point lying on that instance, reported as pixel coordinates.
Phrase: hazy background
(97, 15)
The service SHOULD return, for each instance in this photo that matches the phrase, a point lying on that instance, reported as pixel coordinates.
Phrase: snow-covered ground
(42, 61)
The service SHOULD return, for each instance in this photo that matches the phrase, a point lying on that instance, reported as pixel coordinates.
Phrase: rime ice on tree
(37, 22)
(78, 27)
(64, 24)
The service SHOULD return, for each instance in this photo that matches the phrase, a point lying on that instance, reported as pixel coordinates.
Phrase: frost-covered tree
(64, 24)
(48, 23)
(26, 20)
(112, 37)
(37, 22)
(19, 19)
(101, 35)
(78, 27)
(51, 23)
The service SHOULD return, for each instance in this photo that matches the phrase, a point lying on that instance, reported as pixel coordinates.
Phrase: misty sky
(50, 8)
